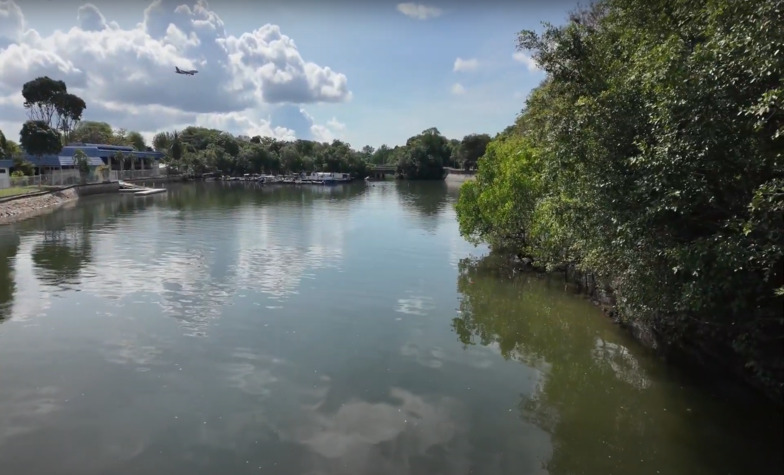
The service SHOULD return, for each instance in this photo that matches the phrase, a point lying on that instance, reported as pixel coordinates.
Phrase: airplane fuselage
(189, 72)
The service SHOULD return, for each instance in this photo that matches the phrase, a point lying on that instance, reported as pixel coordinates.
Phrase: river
(225, 328)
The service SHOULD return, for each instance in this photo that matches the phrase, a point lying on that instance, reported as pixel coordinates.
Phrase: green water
(327, 330)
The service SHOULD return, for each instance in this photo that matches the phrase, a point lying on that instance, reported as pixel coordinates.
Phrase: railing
(70, 177)
(27, 181)
(56, 178)
(134, 174)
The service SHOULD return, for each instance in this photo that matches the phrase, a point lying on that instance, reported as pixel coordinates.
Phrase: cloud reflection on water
(192, 280)
(22, 410)
(347, 433)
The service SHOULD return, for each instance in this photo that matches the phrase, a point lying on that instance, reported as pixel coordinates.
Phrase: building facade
(107, 162)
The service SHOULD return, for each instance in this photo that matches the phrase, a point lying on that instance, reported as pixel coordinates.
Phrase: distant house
(141, 163)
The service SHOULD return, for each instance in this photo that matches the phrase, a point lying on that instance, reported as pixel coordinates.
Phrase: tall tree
(37, 138)
(424, 156)
(41, 97)
(48, 101)
(69, 109)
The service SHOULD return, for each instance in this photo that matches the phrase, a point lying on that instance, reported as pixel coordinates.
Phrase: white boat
(328, 178)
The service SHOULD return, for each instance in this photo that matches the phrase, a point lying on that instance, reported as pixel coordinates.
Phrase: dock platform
(137, 190)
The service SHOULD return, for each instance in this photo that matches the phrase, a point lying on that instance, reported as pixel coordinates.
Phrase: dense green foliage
(199, 150)
(94, 132)
(424, 156)
(470, 149)
(39, 139)
(652, 156)
(22, 167)
(82, 163)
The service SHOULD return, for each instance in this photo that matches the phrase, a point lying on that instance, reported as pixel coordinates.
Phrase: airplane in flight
(182, 71)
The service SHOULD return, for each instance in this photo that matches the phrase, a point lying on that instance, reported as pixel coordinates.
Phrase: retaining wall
(17, 208)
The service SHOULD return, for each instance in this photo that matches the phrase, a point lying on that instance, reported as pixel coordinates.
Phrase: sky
(367, 72)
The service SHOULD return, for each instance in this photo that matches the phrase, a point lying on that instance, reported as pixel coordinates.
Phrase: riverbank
(698, 357)
(459, 178)
(17, 208)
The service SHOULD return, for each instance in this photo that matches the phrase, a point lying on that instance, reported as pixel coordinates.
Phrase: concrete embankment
(154, 182)
(17, 208)
(459, 176)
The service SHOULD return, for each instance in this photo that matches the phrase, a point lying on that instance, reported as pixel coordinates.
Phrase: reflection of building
(120, 162)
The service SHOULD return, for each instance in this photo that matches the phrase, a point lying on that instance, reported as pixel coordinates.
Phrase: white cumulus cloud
(458, 89)
(126, 75)
(243, 124)
(328, 132)
(90, 18)
(465, 64)
(334, 124)
(418, 11)
(528, 61)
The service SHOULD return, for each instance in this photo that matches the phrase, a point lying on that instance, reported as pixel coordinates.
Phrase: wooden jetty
(137, 190)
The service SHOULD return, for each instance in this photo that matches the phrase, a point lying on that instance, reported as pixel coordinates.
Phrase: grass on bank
(18, 190)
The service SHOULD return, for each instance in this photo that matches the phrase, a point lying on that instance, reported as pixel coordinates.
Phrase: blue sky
(398, 72)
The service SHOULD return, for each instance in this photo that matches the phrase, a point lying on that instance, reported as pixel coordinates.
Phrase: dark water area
(225, 328)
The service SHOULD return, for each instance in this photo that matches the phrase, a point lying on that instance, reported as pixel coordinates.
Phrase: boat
(328, 178)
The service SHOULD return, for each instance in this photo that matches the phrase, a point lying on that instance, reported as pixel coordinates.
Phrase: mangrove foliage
(651, 156)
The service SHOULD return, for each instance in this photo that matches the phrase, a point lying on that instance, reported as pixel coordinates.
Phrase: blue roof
(43, 160)
(67, 161)
(124, 148)
(94, 152)
(6, 163)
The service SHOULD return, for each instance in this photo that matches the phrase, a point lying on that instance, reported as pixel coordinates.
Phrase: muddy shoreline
(18, 208)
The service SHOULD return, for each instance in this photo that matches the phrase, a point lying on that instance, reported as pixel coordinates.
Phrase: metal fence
(57, 178)
(134, 174)
(27, 181)
(70, 177)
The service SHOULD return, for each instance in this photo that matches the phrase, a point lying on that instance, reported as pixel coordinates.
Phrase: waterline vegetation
(651, 156)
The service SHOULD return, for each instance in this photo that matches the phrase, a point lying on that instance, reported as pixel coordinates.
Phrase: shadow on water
(609, 405)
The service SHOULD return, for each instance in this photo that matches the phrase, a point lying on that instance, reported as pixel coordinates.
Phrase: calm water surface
(342, 330)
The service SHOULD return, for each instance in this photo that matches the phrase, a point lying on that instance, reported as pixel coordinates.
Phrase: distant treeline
(199, 150)
(651, 155)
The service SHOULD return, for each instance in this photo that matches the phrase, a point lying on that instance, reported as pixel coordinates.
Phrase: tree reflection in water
(64, 249)
(608, 405)
(9, 244)
(424, 200)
